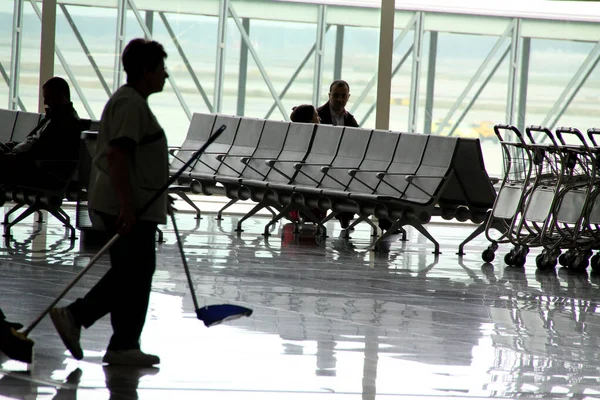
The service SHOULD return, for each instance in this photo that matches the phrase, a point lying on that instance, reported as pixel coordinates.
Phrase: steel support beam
(513, 71)
(294, 76)
(413, 106)
(475, 77)
(523, 84)
(85, 49)
(394, 72)
(257, 61)
(171, 79)
(430, 94)
(243, 71)
(47, 43)
(356, 103)
(15, 54)
(478, 92)
(558, 108)
(339, 52)
(149, 22)
(220, 60)
(319, 55)
(384, 68)
(186, 62)
(67, 68)
(119, 43)
(7, 81)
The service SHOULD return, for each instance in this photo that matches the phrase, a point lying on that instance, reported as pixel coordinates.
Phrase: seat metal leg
(478, 231)
(12, 211)
(189, 201)
(330, 216)
(30, 210)
(395, 226)
(282, 214)
(226, 206)
(426, 233)
(60, 215)
(254, 210)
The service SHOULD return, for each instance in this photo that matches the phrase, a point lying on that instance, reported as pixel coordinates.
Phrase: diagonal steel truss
(516, 51)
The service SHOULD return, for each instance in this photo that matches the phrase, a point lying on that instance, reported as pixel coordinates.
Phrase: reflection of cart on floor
(548, 340)
(548, 198)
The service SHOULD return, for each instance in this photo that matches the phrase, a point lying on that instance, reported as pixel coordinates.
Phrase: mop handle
(81, 273)
(184, 261)
(112, 241)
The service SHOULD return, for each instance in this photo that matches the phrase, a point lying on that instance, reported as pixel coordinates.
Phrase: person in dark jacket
(55, 140)
(334, 111)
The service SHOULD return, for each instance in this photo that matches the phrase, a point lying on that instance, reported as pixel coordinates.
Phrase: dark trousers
(124, 291)
(19, 170)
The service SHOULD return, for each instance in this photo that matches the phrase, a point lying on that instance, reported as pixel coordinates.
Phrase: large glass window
(276, 69)
(29, 66)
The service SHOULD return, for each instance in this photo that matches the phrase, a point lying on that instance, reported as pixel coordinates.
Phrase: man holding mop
(131, 165)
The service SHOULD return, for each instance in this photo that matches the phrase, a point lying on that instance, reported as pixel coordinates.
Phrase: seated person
(306, 113)
(55, 139)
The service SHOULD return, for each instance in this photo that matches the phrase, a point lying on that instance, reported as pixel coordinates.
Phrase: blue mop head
(217, 313)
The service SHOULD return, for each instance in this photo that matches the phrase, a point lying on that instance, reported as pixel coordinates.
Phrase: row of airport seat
(405, 178)
(70, 185)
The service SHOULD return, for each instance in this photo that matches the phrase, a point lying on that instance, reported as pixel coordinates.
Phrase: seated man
(55, 139)
(334, 113)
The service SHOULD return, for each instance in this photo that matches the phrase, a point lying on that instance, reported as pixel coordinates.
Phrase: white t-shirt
(336, 119)
(128, 115)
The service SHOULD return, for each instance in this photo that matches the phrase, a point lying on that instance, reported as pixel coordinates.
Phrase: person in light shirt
(131, 165)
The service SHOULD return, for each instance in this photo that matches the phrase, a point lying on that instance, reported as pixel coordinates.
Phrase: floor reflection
(331, 318)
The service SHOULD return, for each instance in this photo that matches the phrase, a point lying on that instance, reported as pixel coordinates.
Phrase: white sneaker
(134, 357)
(68, 330)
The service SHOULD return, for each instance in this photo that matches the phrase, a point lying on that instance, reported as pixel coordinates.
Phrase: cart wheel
(508, 258)
(566, 258)
(580, 263)
(595, 263)
(540, 262)
(519, 260)
(488, 255)
(544, 262)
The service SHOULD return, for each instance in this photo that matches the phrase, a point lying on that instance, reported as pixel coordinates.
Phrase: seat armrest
(381, 175)
(353, 172)
(409, 178)
(270, 163)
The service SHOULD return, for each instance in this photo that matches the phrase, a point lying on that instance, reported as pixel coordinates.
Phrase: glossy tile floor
(331, 320)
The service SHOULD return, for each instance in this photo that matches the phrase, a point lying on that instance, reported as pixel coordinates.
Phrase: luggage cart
(518, 168)
(537, 198)
(574, 168)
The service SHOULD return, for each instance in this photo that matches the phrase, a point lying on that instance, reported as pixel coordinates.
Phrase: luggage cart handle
(541, 129)
(572, 131)
(591, 133)
(499, 127)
